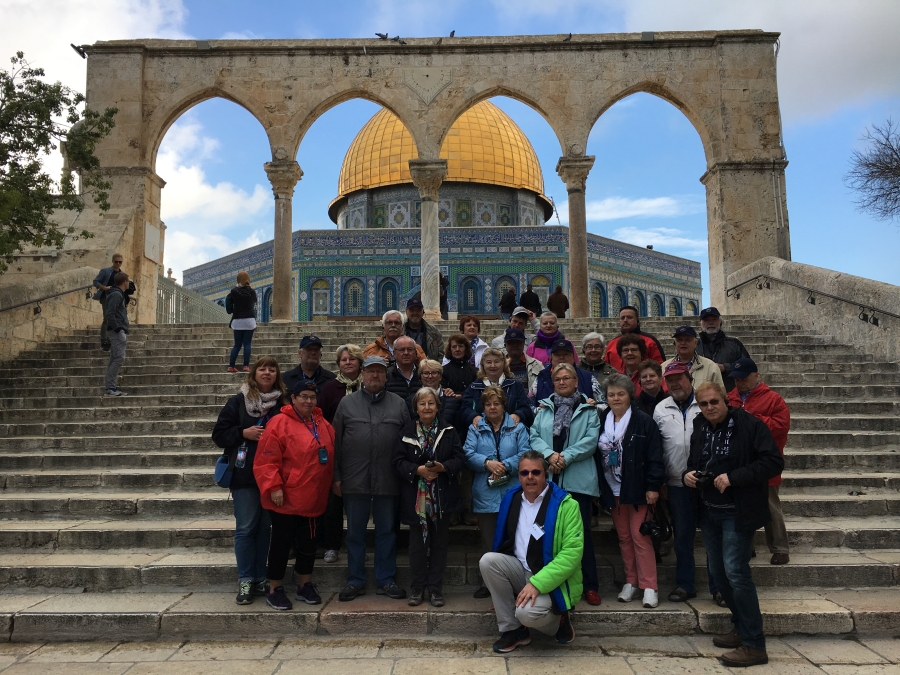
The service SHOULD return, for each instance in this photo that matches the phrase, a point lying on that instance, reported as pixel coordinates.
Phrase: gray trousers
(116, 357)
(776, 532)
(505, 577)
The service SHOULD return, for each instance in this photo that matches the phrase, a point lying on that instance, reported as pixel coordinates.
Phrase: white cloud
(665, 239)
(615, 208)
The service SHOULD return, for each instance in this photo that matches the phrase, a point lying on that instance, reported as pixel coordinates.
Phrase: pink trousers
(637, 549)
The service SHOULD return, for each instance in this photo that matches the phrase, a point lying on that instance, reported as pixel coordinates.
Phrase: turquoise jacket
(580, 474)
(480, 446)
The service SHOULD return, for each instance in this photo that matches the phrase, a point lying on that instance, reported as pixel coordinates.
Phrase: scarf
(257, 407)
(426, 498)
(474, 349)
(488, 383)
(562, 415)
(610, 443)
(352, 385)
(548, 340)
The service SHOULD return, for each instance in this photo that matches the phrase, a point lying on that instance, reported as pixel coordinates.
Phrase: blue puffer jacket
(580, 474)
(516, 401)
(480, 446)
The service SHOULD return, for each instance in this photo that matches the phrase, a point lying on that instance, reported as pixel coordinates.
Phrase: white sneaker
(115, 392)
(651, 598)
(331, 556)
(628, 593)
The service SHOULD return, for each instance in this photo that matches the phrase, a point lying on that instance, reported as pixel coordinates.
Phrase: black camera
(704, 479)
(650, 528)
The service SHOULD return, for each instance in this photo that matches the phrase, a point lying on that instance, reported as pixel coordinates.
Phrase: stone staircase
(111, 526)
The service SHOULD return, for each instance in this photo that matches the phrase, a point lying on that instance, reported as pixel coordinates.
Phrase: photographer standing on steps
(115, 318)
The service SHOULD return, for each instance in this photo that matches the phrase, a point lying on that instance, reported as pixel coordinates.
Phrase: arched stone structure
(724, 82)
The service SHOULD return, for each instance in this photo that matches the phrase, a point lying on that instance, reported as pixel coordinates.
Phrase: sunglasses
(524, 473)
(706, 404)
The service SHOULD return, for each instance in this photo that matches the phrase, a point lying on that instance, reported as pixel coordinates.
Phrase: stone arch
(599, 306)
(470, 298)
(692, 308)
(619, 300)
(266, 312)
(320, 298)
(354, 301)
(639, 300)
(674, 307)
(657, 306)
(388, 295)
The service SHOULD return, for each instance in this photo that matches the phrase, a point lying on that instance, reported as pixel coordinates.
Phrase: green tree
(34, 117)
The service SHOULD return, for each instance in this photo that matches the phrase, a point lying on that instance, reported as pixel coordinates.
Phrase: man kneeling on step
(534, 571)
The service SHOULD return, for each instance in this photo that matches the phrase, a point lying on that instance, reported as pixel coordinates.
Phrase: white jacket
(676, 430)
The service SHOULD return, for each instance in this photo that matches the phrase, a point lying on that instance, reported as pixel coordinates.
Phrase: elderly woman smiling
(630, 457)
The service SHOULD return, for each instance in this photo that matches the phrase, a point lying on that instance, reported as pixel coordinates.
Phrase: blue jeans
(383, 510)
(681, 507)
(252, 527)
(505, 315)
(728, 552)
(242, 338)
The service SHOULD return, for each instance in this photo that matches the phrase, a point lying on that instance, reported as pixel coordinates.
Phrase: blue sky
(837, 75)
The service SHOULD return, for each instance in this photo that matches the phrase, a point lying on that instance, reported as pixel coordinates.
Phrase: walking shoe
(415, 596)
(565, 633)
(651, 598)
(512, 639)
(393, 591)
(437, 599)
(350, 592)
(308, 594)
(246, 369)
(115, 392)
(744, 656)
(482, 592)
(330, 556)
(260, 589)
(245, 593)
(628, 593)
(780, 559)
(719, 600)
(593, 598)
(278, 599)
(728, 641)
(680, 595)
(232, 369)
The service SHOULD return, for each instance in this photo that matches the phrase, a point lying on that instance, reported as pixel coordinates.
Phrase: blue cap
(709, 311)
(303, 385)
(514, 335)
(309, 341)
(685, 330)
(374, 361)
(562, 345)
(743, 367)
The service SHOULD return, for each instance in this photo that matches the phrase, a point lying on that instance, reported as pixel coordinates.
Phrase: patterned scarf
(426, 497)
(352, 385)
(562, 415)
(257, 407)
(610, 443)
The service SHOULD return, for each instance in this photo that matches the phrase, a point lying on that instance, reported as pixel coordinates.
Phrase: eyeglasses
(706, 404)
(307, 397)
(631, 350)
(524, 473)
(560, 380)
(431, 374)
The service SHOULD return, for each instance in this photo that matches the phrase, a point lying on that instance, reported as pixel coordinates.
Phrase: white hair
(549, 313)
(388, 313)
(591, 336)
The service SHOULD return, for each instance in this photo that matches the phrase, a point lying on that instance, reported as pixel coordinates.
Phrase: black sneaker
(512, 639)
(259, 589)
(278, 599)
(437, 600)
(308, 594)
(415, 596)
(245, 593)
(393, 591)
(482, 592)
(350, 592)
(566, 633)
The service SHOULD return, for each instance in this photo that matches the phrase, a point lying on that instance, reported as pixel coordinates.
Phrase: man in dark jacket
(403, 377)
(368, 428)
(425, 335)
(507, 303)
(103, 282)
(115, 316)
(558, 303)
(718, 347)
(530, 300)
(732, 458)
(309, 368)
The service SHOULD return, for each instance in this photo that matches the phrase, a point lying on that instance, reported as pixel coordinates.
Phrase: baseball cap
(514, 334)
(676, 368)
(685, 330)
(414, 302)
(374, 361)
(309, 341)
(562, 345)
(520, 310)
(743, 367)
(709, 311)
(303, 385)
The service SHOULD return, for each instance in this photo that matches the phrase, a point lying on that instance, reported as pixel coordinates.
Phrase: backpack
(229, 304)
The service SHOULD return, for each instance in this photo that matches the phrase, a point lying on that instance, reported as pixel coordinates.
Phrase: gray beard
(711, 331)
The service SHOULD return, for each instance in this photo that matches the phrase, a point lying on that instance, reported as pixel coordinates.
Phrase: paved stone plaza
(450, 656)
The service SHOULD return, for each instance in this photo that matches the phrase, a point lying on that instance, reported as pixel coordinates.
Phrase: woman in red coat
(294, 466)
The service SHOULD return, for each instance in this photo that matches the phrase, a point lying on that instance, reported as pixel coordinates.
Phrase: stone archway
(723, 81)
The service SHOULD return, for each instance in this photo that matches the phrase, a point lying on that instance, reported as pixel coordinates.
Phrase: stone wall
(828, 316)
(22, 329)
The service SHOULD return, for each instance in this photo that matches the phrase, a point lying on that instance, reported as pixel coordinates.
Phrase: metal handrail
(38, 301)
(764, 281)
(175, 305)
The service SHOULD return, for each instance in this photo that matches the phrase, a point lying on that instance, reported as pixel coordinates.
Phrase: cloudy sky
(837, 70)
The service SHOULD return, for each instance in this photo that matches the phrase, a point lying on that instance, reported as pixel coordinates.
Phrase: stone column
(574, 172)
(746, 213)
(427, 175)
(284, 176)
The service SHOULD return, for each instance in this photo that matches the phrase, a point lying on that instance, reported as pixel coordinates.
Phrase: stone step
(884, 458)
(862, 421)
(127, 409)
(843, 407)
(463, 627)
(778, 381)
(158, 459)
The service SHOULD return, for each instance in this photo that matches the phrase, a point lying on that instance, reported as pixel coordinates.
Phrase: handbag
(224, 471)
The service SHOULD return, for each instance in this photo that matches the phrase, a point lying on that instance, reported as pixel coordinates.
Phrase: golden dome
(483, 146)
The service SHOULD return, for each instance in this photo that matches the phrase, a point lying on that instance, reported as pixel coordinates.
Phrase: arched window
(618, 301)
(388, 295)
(267, 305)
(599, 310)
(321, 298)
(503, 284)
(691, 308)
(354, 298)
(470, 296)
(637, 300)
(674, 307)
(656, 306)
(541, 286)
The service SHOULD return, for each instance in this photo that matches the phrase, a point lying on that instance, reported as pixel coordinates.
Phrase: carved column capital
(574, 171)
(427, 176)
(283, 176)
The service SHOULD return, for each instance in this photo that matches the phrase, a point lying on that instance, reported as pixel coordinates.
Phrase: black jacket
(647, 404)
(458, 375)
(720, 348)
(643, 469)
(409, 457)
(243, 301)
(530, 300)
(397, 384)
(228, 435)
(508, 301)
(320, 377)
(754, 459)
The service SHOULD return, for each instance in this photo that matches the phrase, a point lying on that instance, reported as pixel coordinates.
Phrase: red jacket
(770, 408)
(653, 351)
(287, 459)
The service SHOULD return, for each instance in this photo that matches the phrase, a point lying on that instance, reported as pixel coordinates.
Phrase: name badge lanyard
(314, 429)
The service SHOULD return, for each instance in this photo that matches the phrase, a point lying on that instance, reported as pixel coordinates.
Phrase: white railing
(176, 304)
